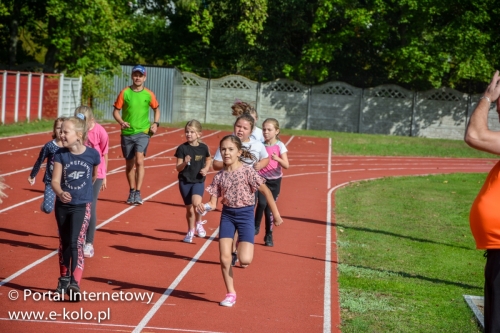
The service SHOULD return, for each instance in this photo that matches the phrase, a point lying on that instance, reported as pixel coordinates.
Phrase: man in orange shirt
(484, 215)
(134, 102)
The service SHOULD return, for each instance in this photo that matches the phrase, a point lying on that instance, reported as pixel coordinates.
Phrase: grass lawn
(342, 143)
(406, 260)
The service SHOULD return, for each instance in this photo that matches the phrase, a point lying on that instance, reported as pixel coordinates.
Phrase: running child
(75, 170)
(193, 162)
(97, 138)
(240, 108)
(47, 153)
(236, 184)
(243, 128)
(272, 173)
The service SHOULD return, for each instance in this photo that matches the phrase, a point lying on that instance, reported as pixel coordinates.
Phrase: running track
(291, 287)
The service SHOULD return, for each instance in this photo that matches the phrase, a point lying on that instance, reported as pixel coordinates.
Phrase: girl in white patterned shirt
(236, 184)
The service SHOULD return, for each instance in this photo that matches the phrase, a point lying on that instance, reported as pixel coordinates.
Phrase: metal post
(40, 97)
(28, 99)
(60, 96)
(360, 111)
(16, 105)
(4, 95)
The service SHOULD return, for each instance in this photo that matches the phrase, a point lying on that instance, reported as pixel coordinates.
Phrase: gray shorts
(136, 143)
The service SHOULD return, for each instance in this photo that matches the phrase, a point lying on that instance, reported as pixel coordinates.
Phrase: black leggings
(492, 292)
(72, 222)
(274, 186)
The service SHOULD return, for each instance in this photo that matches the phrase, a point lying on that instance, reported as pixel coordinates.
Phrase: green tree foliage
(417, 43)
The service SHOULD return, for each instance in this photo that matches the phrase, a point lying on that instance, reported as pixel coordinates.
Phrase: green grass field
(404, 261)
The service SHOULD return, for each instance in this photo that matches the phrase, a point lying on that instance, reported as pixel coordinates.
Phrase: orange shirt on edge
(484, 215)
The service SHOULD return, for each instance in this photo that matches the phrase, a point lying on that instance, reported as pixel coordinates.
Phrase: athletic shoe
(234, 258)
(62, 285)
(200, 231)
(88, 250)
(229, 301)
(268, 239)
(138, 199)
(74, 292)
(131, 197)
(189, 237)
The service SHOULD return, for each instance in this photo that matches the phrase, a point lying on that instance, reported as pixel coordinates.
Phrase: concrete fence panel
(441, 113)
(386, 109)
(335, 106)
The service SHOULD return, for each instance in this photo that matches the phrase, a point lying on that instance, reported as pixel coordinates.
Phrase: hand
(493, 89)
(65, 197)
(103, 186)
(257, 166)
(125, 125)
(277, 220)
(204, 171)
(187, 159)
(31, 181)
(153, 128)
(275, 157)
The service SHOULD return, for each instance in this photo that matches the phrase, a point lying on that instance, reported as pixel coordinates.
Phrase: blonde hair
(275, 123)
(196, 125)
(60, 119)
(86, 111)
(80, 127)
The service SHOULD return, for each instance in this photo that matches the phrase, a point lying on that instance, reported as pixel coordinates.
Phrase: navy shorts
(189, 189)
(241, 219)
(136, 143)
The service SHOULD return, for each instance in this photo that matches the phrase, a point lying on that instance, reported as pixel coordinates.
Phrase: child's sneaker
(138, 199)
(62, 285)
(88, 250)
(131, 197)
(74, 292)
(234, 258)
(189, 237)
(229, 301)
(200, 231)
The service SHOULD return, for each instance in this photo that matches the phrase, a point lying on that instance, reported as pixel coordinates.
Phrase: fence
(27, 96)
(333, 106)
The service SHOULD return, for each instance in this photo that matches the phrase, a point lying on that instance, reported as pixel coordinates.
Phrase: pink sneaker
(230, 300)
(200, 231)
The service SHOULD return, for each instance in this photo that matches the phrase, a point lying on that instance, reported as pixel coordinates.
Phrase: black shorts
(136, 143)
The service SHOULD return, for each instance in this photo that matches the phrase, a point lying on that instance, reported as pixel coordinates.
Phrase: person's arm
(94, 173)
(261, 164)
(41, 157)
(213, 204)
(104, 184)
(205, 169)
(154, 127)
(182, 163)
(282, 160)
(477, 134)
(272, 204)
(56, 183)
(119, 120)
(217, 164)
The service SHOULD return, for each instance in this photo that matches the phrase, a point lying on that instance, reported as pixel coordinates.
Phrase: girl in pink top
(272, 173)
(236, 183)
(97, 138)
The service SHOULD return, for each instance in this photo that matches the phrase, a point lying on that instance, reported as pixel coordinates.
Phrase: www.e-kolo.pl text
(74, 315)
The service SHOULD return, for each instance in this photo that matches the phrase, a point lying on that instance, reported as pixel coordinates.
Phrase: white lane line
(329, 163)
(21, 203)
(107, 325)
(174, 284)
(289, 140)
(22, 149)
(23, 135)
(18, 171)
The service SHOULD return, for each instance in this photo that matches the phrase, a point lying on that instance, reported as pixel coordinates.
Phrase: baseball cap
(139, 68)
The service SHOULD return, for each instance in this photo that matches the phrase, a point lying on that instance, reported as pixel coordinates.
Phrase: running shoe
(74, 292)
(189, 237)
(62, 285)
(229, 301)
(131, 197)
(234, 258)
(138, 199)
(88, 250)
(268, 240)
(200, 231)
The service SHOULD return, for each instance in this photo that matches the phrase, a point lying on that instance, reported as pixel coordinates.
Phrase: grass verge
(406, 254)
(342, 143)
